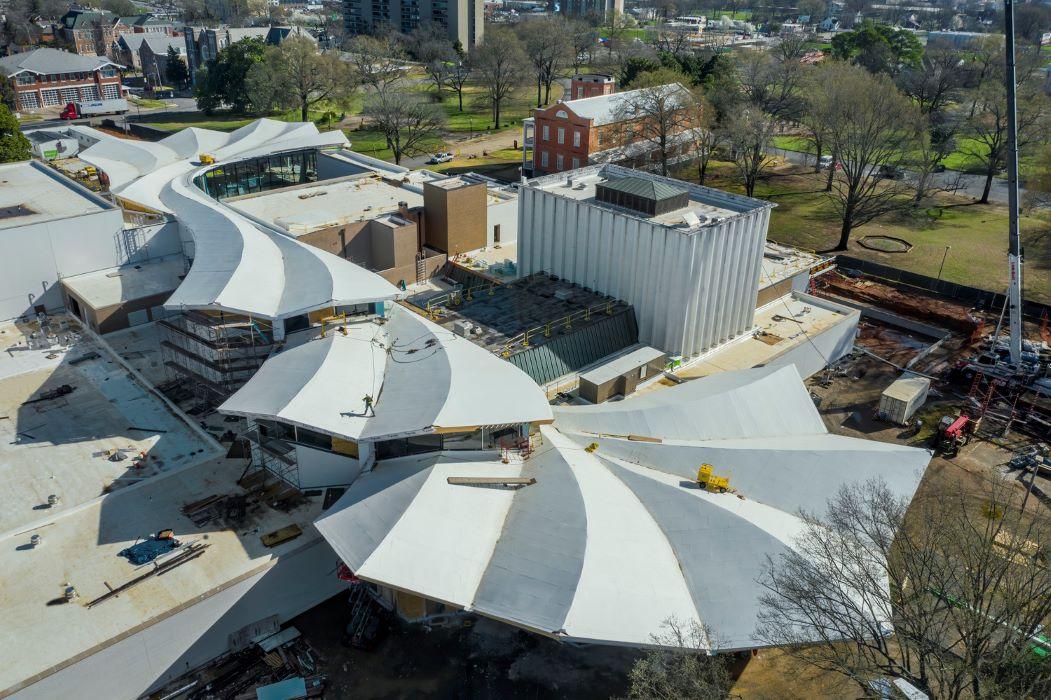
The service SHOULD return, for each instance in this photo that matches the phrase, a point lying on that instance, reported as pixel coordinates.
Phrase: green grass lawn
(499, 158)
(146, 103)
(976, 233)
(476, 116)
(325, 115)
(373, 143)
(957, 160)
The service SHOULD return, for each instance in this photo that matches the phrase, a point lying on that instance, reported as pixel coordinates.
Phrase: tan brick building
(51, 78)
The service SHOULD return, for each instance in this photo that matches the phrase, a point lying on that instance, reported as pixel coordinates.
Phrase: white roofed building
(603, 533)
(249, 284)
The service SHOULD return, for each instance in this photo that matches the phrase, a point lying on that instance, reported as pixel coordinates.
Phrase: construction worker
(368, 406)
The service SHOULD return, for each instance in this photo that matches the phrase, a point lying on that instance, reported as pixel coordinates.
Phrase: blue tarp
(148, 550)
(288, 689)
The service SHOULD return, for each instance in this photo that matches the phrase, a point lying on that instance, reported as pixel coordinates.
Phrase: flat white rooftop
(782, 325)
(105, 288)
(781, 262)
(80, 549)
(60, 446)
(639, 355)
(30, 194)
(708, 205)
(300, 210)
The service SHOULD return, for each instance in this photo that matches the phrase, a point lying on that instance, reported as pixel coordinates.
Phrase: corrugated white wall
(690, 291)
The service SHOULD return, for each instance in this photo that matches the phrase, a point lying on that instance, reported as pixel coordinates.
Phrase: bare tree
(439, 61)
(679, 668)
(499, 64)
(378, 62)
(949, 594)
(409, 123)
(933, 146)
(546, 45)
(706, 136)
(676, 41)
(458, 78)
(581, 38)
(615, 26)
(772, 84)
(934, 81)
(868, 126)
(987, 128)
(294, 74)
(749, 134)
(655, 119)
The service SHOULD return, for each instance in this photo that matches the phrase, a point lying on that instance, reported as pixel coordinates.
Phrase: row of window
(32, 78)
(54, 98)
(545, 135)
(259, 174)
(560, 161)
(477, 440)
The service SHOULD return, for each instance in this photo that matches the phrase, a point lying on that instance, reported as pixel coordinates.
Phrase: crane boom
(1014, 246)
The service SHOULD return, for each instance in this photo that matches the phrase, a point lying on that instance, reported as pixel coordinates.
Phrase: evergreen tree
(13, 143)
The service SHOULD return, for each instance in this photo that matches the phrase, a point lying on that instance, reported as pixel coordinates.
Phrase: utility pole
(1014, 249)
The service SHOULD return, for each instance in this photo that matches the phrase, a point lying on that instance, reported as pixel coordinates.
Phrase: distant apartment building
(599, 129)
(50, 78)
(462, 19)
(591, 8)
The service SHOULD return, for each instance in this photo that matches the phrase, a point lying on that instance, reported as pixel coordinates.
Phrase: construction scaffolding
(275, 455)
(213, 353)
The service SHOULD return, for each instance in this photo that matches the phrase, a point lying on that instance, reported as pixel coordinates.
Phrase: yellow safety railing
(565, 323)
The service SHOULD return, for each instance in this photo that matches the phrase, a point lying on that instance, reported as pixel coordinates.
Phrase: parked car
(440, 158)
(891, 172)
(825, 162)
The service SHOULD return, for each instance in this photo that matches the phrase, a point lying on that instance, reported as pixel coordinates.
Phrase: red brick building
(569, 135)
(52, 78)
(591, 85)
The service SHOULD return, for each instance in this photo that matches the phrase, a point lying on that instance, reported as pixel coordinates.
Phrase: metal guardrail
(564, 322)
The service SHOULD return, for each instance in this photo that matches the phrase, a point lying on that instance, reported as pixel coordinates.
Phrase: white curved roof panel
(239, 265)
(608, 544)
(422, 378)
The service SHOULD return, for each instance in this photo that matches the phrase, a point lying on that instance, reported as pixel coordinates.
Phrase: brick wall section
(579, 139)
(574, 153)
(82, 83)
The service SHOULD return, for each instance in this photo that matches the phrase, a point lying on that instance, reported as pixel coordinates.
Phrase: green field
(976, 233)
(957, 160)
(146, 103)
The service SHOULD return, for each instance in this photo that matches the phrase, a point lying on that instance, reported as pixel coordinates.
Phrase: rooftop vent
(642, 195)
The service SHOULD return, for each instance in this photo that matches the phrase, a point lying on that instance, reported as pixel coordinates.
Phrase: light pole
(942, 266)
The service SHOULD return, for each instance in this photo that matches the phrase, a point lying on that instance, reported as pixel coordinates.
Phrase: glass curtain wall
(259, 174)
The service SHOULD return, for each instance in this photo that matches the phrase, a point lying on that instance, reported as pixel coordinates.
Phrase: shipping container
(903, 398)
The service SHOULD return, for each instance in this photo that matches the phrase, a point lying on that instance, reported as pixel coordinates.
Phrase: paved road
(175, 104)
(964, 184)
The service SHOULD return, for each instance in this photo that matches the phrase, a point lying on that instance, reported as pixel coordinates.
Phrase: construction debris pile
(274, 664)
(939, 312)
